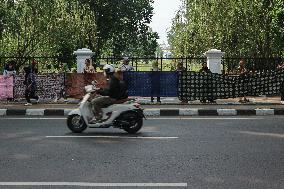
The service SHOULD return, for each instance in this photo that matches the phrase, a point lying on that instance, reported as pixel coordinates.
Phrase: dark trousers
(62, 94)
(155, 92)
(155, 85)
(30, 94)
(101, 102)
(158, 99)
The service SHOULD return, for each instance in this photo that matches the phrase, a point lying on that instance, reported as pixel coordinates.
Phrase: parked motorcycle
(125, 114)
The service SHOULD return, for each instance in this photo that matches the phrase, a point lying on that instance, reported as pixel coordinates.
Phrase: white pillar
(82, 55)
(214, 58)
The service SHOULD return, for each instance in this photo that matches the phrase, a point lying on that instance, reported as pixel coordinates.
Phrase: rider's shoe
(93, 120)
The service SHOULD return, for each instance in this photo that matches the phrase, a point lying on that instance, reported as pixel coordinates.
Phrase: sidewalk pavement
(168, 107)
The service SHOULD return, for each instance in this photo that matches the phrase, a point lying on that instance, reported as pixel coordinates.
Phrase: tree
(45, 28)
(122, 27)
(58, 27)
(238, 27)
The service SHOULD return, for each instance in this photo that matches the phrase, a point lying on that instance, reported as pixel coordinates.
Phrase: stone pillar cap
(214, 52)
(84, 51)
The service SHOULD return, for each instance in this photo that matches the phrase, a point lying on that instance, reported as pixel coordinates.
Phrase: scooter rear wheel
(76, 123)
(136, 123)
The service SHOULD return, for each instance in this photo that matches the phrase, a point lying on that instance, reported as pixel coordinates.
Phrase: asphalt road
(199, 152)
(164, 106)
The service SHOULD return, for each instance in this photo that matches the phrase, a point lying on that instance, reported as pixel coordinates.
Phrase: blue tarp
(146, 84)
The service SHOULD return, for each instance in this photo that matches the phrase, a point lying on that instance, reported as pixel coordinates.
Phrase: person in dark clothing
(123, 90)
(155, 82)
(116, 88)
(243, 73)
(204, 69)
(282, 92)
(281, 66)
(30, 84)
(114, 92)
(207, 85)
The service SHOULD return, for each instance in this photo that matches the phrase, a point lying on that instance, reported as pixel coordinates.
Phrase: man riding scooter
(114, 92)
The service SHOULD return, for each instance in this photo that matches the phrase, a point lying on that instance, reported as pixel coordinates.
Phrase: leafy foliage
(238, 27)
(122, 27)
(59, 27)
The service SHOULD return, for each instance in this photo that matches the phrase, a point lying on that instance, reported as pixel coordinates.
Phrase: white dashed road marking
(275, 135)
(204, 118)
(87, 184)
(149, 118)
(115, 137)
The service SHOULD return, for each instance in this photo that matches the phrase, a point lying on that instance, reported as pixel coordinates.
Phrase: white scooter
(125, 115)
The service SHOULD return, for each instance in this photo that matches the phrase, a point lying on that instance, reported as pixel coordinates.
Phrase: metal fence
(230, 65)
(164, 64)
(43, 64)
(51, 64)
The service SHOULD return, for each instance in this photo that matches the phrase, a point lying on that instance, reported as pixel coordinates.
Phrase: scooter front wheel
(76, 123)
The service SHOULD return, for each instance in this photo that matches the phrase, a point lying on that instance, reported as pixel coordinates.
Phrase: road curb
(154, 112)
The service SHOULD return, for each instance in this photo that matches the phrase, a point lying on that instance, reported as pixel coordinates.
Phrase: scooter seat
(121, 101)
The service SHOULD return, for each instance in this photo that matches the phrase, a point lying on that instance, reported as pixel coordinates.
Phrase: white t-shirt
(126, 68)
(7, 73)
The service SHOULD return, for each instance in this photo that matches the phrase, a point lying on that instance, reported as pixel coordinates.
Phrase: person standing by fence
(180, 67)
(125, 67)
(281, 66)
(155, 82)
(207, 85)
(63, 69)
(89, 68)
(242, 71)
(30, 84)
(9, 69)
